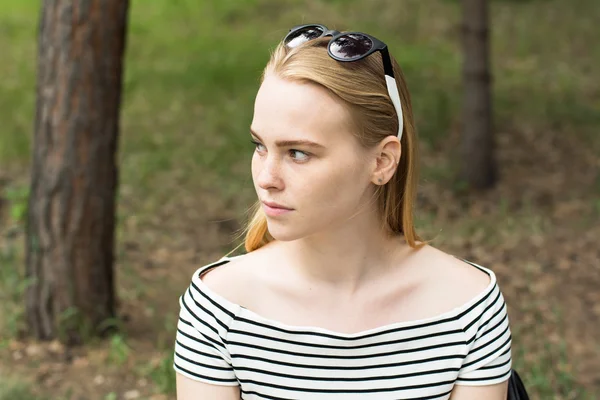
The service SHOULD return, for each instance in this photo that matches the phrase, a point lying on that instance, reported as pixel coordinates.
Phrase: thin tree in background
(478, 167)
(74, 177)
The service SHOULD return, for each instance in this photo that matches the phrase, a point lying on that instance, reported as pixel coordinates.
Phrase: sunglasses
(347, 47)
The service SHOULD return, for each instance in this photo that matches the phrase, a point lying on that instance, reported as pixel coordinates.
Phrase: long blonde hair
(362, 88)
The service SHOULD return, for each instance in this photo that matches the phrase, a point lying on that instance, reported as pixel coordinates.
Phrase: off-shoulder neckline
(242, 311)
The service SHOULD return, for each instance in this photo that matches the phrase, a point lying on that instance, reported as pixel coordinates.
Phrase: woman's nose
(269, 173)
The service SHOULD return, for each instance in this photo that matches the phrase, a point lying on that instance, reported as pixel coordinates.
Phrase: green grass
(12, 288)
(16, 390)
(192, 70)
(17, 94)
(544, 365)
(161, 372)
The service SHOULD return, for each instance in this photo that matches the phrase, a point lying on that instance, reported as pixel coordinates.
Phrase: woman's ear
(387, 156)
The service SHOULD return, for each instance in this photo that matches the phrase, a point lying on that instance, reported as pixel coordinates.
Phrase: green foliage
(13, 283)
(16, 390)
(119, 350)
(73, 325)
(12, 288)
(18, 198)
(111, 396)
(17, 86)
(163, 374)
(547, 371)
(110, 325)
(160, 370)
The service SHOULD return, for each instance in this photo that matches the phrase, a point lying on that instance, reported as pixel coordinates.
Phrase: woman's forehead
(306, 110)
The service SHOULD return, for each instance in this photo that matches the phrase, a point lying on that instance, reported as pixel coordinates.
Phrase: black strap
(516, 388)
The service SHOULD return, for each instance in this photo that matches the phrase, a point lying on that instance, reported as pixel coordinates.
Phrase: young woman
(337, 297)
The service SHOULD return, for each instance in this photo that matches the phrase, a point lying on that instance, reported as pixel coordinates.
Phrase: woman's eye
(299, 155)
(257, 145)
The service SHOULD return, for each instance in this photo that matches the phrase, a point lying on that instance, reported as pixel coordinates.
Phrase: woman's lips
(274, 209)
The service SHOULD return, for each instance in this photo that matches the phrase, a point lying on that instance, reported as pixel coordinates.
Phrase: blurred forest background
(191, 73)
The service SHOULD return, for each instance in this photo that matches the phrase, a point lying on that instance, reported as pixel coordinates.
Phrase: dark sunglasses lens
(350, 46)
(303, 35)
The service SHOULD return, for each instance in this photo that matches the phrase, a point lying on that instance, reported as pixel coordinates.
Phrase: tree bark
(74, 177)
(477, 150)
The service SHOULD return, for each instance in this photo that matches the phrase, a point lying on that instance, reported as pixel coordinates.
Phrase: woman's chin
(284, 233)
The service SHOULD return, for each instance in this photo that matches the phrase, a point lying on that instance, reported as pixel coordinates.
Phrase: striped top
(223, 343)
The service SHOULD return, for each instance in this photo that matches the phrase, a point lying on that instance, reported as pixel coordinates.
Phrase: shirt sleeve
(200, 344)
(488, 360)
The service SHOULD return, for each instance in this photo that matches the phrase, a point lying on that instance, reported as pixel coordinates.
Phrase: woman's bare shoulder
(449, 279)
(235, 279)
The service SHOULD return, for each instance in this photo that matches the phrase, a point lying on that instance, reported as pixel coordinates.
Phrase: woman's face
(306, 159)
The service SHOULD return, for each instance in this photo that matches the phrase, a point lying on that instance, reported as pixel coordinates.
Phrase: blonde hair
(361, 87)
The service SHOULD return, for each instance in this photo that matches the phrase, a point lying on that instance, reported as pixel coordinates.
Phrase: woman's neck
(343, 260)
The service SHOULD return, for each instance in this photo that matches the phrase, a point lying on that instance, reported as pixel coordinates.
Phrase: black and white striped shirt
(223, 343)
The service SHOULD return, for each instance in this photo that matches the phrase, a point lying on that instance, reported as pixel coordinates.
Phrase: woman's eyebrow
(288, 143)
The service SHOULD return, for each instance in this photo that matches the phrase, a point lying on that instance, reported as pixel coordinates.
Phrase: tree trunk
(477, 152)
(71, 213)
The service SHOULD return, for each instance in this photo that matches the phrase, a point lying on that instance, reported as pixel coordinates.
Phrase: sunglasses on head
(350, 46)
